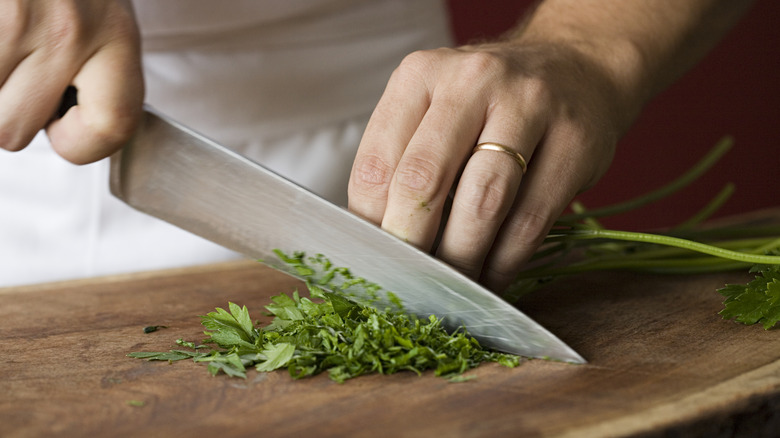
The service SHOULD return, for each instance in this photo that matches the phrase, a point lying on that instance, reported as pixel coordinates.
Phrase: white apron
(289, 83)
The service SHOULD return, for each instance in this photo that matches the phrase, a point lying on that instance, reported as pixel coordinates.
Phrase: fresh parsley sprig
(757, 301)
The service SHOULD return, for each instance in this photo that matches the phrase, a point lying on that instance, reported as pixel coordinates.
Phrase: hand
(49, 45)
(548, 102)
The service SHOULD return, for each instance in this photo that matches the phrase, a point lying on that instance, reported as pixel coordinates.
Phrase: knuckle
(482, 63)
(412, 69)
(528, 229)
(417, 178)
(370, 174)
(411, 65)
(123, 24)
(112, 128)
(413, 60)
(483, 199)
(13, 20)
(528, 225)
(537, 92)
(532, 222)
(418, 66)
(64, 26)
(498, 278)
(463, 263)
(476, 74)
(418, 60)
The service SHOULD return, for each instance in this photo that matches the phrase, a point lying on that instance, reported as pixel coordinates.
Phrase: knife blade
(180, 176)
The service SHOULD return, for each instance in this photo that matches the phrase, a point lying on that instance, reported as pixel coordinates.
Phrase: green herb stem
(665, 265)
(722, 232)
(691, 175)
(751, 246)
(667, 241)
(709, 209)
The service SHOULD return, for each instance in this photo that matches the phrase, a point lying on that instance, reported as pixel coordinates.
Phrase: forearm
(644, 46)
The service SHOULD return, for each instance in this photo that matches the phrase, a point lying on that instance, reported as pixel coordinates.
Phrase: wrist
(622, 64)
(641, 47)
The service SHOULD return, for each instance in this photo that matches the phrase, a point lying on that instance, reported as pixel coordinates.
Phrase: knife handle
(69, 99)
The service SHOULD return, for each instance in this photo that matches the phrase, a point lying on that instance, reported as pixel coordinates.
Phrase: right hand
(93, 45)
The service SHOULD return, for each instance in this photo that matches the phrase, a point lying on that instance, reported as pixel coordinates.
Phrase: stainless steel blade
(177, 175)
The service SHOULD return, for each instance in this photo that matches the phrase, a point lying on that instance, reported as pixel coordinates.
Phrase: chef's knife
(182, 177)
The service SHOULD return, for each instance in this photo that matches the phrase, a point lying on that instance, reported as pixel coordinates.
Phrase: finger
(29, 96)
(549, 186)
(110, 102)
(15, 24)
(391, 126)
(482, 199)
(426, 172)
(487, 189)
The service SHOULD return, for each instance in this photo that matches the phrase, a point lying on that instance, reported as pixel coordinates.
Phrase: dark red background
(735, 91)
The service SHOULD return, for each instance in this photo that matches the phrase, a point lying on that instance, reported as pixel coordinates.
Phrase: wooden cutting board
(661, 362)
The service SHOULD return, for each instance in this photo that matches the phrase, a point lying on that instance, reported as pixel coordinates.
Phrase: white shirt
(289, 83)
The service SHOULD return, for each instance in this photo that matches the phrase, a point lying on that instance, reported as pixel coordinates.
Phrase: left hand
(548, 102)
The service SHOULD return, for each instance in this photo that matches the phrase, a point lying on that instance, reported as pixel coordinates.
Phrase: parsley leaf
(231, 327)
(229, 363)
(172, 355)
(758, 301)
(276, 356)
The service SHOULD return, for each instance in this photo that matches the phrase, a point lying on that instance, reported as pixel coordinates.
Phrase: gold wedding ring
(490, 146)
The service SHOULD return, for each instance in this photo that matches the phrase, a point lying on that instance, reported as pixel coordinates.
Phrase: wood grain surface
(661, 363)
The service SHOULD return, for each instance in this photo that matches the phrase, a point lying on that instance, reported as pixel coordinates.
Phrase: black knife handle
(69, 99)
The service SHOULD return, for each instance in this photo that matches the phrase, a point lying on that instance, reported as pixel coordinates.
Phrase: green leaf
(241, 315)
(215, 367)
(164, 355)
(235, 322)
(295, 262)
(758, 301)
(459, 378)
(772, 313)
(231, 364)
(228, 339)
(342, 306)
(278, 356)
(285, 308)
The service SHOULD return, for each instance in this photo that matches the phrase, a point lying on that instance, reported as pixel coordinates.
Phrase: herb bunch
(331, 333)
(579, 243)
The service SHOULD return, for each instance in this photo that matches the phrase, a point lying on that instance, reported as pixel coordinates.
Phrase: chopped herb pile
(331, 333)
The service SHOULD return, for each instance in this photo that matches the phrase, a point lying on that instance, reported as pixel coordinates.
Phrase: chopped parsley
(154, 328)
(330, 332)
